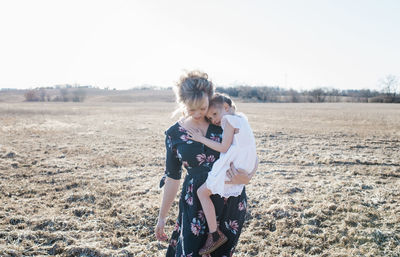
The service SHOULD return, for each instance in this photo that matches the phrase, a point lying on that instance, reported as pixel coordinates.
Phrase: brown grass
(82, 179)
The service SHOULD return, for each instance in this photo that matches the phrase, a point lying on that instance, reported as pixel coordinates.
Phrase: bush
(376, 99)
(396, 100)
(78, 95)
(31, 96)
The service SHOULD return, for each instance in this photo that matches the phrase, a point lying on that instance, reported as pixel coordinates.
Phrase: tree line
(64, 95)
(388, 93)
(318, 95)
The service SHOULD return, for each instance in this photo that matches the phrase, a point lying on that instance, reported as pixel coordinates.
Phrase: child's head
(219, 105)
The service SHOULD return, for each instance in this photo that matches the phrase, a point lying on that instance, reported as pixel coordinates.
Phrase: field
(81, 179)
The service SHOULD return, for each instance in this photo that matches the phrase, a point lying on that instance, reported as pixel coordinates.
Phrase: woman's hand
(170, 190)
(240, 176)
(160, 234)
(195, 134)
(237, 176)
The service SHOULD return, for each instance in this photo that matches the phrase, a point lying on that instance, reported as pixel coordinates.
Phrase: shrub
(31, 96)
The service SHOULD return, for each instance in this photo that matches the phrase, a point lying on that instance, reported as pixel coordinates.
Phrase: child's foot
(214, 240)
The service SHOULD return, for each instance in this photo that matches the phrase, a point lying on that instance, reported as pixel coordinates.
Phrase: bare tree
(294, 96)
(318, 95)
(390, 85)
(78, 95)
(42, 95)
(64, 94)
(31, 96)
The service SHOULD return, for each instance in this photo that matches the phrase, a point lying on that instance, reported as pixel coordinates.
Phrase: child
(238, 148)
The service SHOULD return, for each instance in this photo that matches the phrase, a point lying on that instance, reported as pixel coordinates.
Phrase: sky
(124, 44)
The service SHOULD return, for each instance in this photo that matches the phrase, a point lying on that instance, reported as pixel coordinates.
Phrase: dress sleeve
(173, 165)
(232, 119)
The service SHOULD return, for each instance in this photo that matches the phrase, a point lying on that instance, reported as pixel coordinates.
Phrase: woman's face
(198, 111)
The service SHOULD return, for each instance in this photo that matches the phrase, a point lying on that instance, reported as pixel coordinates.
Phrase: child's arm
(220, 147)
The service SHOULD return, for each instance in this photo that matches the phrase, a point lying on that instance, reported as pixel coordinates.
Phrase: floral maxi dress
(190, 231)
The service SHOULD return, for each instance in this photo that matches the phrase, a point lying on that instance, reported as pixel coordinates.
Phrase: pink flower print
(195, 226)
(200, 215)
(190, 188)
(181, 129)
(173, 242)
(242, 206)
(189, 200)
(225, 200)
(176, 227)
(185, 137)
(201, 158)
(210, 158)
(215, 138)
(189, 193)
(232, 226)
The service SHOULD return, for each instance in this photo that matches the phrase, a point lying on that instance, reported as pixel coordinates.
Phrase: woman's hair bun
(193, 86)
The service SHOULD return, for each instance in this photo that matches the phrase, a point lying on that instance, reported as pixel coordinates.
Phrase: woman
(190, 232)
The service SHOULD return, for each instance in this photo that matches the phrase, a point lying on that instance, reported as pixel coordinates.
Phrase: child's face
(214, 114)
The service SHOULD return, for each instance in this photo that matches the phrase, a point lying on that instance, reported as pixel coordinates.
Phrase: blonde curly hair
(191, 90)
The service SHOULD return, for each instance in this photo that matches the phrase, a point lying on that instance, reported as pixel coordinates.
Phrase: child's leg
(208, 207)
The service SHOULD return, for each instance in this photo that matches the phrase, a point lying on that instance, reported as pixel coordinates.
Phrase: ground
(81, 179)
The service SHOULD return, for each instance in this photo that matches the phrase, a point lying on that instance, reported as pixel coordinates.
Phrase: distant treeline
(246, 93)
(318, 95)
(55, 95)
(388, 94)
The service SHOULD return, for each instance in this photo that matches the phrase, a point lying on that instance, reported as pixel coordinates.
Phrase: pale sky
(343, 44)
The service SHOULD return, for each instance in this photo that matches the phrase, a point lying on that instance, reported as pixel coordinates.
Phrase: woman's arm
(223, 147)
(240, 176)
(171, 188)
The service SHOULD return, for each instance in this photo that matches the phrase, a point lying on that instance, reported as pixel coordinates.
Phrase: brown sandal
(210, 246)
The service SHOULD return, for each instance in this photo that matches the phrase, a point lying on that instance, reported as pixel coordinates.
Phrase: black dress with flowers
(191, 229)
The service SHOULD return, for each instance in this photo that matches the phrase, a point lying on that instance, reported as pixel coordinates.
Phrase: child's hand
(195, 134)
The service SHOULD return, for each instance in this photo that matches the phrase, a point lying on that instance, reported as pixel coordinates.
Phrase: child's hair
(218, 100)
(191, 89)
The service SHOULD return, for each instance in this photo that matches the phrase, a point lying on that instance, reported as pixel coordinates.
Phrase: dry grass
(82, 179)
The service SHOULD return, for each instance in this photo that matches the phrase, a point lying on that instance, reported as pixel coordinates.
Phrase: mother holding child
(213, 201)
